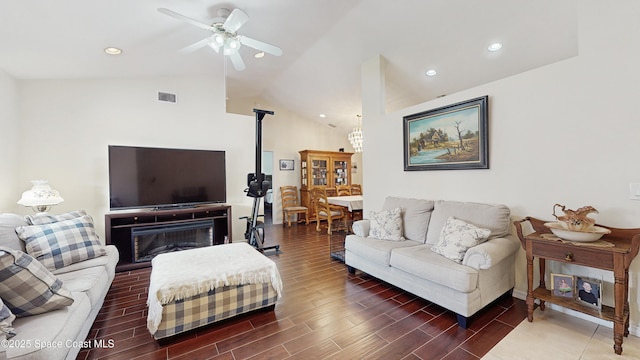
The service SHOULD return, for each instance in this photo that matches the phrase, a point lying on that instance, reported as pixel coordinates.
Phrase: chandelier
(355, 137)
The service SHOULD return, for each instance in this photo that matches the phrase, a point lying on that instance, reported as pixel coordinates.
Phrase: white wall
(66, 126)
(565, 133)
(9, 190)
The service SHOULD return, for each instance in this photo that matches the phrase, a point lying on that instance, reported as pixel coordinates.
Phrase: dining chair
(343, 190)
(356, 189)
(333, 214)
(291, 205)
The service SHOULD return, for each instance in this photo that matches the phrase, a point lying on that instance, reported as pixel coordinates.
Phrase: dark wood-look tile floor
(324, 313)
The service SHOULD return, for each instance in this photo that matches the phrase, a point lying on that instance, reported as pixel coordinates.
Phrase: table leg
(618, 319)
(530, 298)
(543, 285)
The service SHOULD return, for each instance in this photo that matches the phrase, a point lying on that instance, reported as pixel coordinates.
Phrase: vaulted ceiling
(324, 42)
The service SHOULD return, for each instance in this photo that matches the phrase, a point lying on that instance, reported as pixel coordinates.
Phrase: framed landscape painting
(454, 137)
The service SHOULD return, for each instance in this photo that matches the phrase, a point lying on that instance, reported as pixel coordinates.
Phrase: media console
(141, 234)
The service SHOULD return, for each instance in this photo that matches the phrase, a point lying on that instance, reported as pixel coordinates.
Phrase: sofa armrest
(491, 252)
(361, 227)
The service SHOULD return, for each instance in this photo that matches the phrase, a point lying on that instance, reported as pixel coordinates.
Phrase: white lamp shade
(41, 194)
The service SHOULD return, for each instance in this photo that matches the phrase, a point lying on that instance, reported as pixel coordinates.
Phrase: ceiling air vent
(168, 97)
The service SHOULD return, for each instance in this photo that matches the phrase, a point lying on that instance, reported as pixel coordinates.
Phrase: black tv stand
(120, 224)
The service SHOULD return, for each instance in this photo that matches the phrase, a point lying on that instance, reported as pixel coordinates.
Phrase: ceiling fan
(224, 35)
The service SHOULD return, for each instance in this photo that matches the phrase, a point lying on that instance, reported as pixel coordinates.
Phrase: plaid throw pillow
(62, 243)
(27, 287)
(6, 322)
(41, 219)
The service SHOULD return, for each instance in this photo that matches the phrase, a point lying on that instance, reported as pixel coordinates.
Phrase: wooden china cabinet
(326, 169)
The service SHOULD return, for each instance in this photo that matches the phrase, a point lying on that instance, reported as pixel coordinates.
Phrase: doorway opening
(267, 169)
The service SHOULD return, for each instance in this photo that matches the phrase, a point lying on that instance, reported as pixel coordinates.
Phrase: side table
(617, 259)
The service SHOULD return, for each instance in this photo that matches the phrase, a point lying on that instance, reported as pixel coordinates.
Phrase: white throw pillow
(386, 224)
(457, 236)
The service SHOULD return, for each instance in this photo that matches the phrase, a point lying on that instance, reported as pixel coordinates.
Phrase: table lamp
(41, 197)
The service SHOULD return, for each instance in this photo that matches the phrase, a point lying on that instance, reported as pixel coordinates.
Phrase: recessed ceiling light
(431, 72)
(113, 51)
(495, 46)
(259, 55)
(323, 115)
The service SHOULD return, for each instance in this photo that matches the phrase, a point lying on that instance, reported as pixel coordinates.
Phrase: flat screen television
(142, 177)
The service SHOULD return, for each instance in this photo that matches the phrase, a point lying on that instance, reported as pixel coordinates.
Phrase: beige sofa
(60, 333)
(484, 272)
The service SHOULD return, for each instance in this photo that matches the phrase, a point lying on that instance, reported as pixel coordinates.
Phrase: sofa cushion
(54, 327)
(93, 281)
(45, 218)
(416, 214)
(8, 236)
(492, 217)
(62, 243)
(424, 263)
(386, 224)
(6, 322)
(27, 287)
(375, 250)
(456, 237)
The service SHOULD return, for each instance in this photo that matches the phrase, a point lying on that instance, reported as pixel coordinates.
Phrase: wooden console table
(617, 259)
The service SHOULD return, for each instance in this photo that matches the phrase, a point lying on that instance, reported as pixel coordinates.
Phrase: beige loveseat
(59, 333)
(479, 276)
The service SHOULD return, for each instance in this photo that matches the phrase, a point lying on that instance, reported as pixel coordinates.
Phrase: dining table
(351, 202)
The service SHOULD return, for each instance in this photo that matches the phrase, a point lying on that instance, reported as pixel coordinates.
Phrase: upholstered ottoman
(196, 287)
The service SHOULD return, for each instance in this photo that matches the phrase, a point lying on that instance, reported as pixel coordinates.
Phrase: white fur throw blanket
(183, 274)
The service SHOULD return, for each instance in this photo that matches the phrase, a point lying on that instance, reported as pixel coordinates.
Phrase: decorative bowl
(560, 230)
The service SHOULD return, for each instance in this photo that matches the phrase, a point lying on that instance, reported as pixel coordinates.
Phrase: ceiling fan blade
(191, 21)
(236, 19)
(237, 62)
(259, 45)
(196, 46)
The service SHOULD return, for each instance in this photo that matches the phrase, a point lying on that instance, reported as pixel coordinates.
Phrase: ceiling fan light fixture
(224, 35)
(231, 45)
